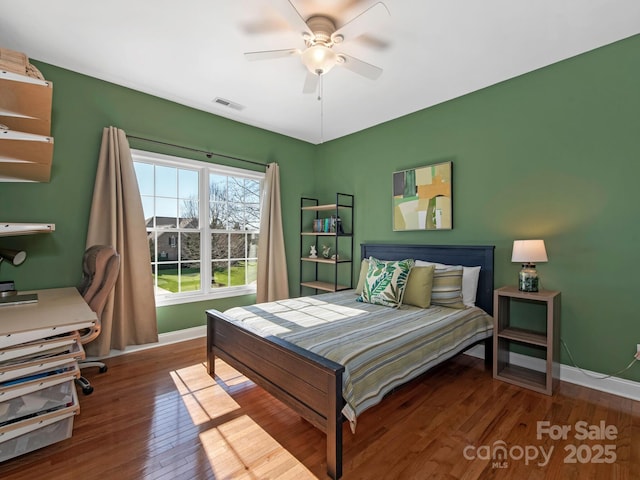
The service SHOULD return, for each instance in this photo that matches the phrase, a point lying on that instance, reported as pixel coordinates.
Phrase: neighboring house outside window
(202, 223)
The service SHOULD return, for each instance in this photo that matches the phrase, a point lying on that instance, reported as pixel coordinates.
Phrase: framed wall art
(422, 198)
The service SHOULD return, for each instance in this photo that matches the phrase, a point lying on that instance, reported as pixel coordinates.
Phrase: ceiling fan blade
(361, 68)
(293, 17)
(310, 83)
(368, 20)
(269, 54)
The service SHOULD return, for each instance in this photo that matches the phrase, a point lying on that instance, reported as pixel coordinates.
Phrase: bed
(312, 384)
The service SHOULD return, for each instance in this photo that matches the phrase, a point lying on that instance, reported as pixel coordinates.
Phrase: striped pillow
(385, 282)
(447, 287)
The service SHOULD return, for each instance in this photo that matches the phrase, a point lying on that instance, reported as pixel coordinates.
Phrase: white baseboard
(163, 339)
(585, 378)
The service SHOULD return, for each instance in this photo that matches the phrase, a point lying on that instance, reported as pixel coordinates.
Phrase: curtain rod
(206, 152)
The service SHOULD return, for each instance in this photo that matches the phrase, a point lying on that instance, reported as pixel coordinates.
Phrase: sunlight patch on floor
(204, 398)
(240, 448)
(236, 446)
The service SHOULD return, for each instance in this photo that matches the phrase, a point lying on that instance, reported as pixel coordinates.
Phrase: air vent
(228, 103)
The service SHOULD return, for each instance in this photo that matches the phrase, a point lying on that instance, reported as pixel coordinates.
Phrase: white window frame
(204, 169)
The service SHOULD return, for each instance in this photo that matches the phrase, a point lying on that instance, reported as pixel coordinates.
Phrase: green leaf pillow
(385, 282)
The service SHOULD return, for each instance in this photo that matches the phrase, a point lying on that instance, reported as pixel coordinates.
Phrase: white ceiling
(192, 51)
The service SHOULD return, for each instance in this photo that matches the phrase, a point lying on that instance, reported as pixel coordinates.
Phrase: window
(203, 223)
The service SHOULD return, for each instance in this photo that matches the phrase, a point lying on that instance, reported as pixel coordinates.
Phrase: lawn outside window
(202, 224)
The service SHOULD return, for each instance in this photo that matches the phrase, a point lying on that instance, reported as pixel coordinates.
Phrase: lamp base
(528, 278)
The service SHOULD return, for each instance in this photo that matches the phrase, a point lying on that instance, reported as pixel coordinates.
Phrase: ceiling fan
(320, 35)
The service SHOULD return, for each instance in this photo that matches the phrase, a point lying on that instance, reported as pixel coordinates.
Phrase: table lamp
(15, 257)
(528, 253)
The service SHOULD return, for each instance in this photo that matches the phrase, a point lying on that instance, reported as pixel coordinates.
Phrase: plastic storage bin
(38, 432)
(38, 401)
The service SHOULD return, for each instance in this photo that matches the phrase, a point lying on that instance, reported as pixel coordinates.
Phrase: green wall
(554, 154)
(82, 107)
(551, 154)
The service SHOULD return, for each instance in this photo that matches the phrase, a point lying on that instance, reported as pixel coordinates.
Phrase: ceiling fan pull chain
(321, 99)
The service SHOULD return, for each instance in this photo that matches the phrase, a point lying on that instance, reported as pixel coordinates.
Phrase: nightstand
(545, 340)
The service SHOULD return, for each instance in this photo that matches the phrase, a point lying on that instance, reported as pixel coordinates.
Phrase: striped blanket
(380, 347)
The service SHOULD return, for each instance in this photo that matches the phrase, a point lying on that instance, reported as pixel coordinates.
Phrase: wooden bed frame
(309, 384)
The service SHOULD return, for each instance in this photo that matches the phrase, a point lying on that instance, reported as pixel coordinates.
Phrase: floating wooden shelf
(25, 103)
(26, 147)
(25, 157)
(14, 229)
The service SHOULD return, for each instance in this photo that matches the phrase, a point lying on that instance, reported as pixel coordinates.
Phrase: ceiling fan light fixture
(319, 59)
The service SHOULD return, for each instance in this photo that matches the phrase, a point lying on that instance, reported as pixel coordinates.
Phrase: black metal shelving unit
(338, 232)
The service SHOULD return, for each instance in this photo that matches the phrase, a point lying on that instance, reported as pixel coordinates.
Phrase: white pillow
(470, 277)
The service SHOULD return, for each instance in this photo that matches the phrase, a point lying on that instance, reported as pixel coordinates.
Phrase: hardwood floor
(156, 414)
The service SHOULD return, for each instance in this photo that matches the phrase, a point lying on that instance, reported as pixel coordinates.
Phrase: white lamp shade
(529, 251)
(319, 59)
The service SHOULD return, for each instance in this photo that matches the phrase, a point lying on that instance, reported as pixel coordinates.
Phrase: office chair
(100, 267)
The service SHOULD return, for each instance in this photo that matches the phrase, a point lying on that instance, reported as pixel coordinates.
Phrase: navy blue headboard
(468, 256)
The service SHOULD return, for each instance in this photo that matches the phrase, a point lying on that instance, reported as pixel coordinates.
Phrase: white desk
(58, 310)
(39, 353)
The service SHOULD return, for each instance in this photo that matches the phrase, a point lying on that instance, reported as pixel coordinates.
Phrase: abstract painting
(422, 198)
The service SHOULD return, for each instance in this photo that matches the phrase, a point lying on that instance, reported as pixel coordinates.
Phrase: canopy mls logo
(500, 454)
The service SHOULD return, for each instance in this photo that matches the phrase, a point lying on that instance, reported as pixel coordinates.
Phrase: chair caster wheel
(87, 390)
(103, 369)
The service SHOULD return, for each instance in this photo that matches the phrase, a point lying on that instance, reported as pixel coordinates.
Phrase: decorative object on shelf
(18, 62)
(313, 253)
(326, 251)
(332, 224)
(528, 252)
(318, 225)
(422, 198)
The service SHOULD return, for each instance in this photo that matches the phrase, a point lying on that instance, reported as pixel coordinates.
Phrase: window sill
(202, 297)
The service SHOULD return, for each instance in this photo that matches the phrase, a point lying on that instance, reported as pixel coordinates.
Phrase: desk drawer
(48, 399)
(16, 338)
(28, 435)
(23, 351)
(39, 365)
(33, 383)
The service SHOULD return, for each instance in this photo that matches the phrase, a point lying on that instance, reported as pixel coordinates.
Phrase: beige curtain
(272, 264)
(117, 219)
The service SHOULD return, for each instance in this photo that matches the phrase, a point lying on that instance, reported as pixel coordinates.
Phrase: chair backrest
(100, 267)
